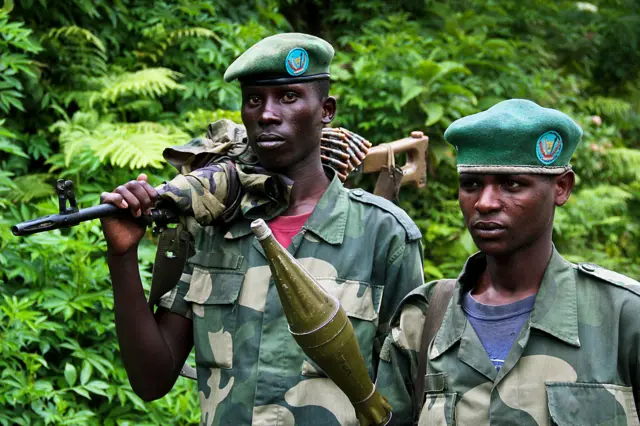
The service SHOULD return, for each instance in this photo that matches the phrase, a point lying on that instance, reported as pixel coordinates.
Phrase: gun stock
(415, 169)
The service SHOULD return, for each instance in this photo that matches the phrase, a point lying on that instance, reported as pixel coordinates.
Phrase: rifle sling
(171, 256)
(432, 322)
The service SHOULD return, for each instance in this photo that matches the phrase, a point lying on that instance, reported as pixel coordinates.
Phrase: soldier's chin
(275, 162)
(492, 247)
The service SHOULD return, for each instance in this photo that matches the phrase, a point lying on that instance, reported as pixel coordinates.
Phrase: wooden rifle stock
(415, 169)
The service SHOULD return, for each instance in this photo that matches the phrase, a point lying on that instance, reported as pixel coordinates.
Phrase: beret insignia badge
(297, 61)
(549, 147)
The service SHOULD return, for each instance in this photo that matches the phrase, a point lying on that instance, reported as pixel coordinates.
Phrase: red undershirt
(284, 228)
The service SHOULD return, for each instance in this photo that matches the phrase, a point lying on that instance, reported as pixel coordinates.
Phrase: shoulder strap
(432, 322)
(171, 256)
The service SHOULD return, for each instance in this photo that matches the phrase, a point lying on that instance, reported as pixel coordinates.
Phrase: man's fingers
(151, 191)
(139, 191)
(130, 198)
(113, 198)
(136, 195)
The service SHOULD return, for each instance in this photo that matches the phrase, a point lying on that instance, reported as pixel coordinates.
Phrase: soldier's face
(284, 123)
(505, 213)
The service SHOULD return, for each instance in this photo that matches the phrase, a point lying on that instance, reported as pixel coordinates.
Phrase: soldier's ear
(563, 185)
(329, 106)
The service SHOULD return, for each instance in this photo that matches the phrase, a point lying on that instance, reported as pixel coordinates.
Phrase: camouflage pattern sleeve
(405, 272)
(399, 355)
(202, 193)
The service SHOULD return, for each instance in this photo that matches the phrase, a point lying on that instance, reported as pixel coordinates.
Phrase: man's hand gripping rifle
(71, 215)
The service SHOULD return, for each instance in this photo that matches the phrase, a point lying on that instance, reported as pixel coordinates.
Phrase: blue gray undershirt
(497, 326)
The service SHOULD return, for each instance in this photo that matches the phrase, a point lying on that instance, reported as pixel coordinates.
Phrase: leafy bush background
(94, 90)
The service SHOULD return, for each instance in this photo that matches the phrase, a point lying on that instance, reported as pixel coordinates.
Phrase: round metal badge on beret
(297, 61)
(549, 147)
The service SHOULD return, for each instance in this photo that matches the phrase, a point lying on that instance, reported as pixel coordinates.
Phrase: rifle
(71, 215)
(376, 159)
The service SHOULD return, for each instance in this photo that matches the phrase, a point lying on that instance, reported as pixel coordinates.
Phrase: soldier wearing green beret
(526, 337)
(361, 248)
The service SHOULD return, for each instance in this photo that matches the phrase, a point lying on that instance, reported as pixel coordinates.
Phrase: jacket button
(358, 192)
(590, 267)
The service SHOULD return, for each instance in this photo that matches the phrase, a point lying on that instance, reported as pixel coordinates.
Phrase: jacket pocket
(590, 404)
(213, 293)
(361, 302)
(438, 409)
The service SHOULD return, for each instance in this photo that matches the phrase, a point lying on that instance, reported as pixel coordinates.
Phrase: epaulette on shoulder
(610, 277)
(359, 195)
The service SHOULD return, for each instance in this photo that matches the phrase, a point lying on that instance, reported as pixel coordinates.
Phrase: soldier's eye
(253, 100)
(468, 184)
(290, 97)
(512, 184)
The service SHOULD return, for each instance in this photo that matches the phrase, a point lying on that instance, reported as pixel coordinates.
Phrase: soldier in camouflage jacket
(574, 359)
(361, 248)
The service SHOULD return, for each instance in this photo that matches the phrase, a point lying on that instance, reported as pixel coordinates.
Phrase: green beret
(283, 59)
(515, 136)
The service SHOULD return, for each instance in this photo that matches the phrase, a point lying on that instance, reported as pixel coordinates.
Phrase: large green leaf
(70, 374)
(434, 111)
(12, 148)
(410, 89)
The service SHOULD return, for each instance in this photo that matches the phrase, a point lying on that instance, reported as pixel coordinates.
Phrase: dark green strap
(432, 322)
(171, 256)
(189, 372)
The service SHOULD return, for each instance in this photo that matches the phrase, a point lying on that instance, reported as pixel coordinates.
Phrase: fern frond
(132, 145)
(80, 51)
(150, 82)
(197, 32)
(159, 40)
(137, 145)
(32, 186)
(75, 135)
(615, 108)
(623, 163)
(594, 206)
(77, 33)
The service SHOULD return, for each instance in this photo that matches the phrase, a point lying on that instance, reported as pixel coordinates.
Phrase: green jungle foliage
(94, 90)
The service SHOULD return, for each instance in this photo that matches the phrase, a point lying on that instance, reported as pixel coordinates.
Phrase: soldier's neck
(508, 279)
(310, 183)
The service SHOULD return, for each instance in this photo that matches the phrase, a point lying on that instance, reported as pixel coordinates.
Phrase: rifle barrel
(56, 221)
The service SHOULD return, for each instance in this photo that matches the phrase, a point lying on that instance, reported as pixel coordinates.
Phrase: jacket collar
(556, 308)
(555, 311)
(328, 220)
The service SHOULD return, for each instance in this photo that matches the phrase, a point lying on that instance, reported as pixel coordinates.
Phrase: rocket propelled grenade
(322, 329)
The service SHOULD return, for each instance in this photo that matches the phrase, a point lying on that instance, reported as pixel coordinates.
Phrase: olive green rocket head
(322, 329)
(287, 58)
(516, 136)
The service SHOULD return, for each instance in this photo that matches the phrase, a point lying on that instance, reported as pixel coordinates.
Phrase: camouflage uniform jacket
(360, 247)
(575, 362)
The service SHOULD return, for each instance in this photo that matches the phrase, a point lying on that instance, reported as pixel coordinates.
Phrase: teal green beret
(514, 136)
(283, 59)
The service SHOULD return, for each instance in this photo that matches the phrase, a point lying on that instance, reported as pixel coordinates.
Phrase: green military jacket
(575, 362)
(361, 248)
